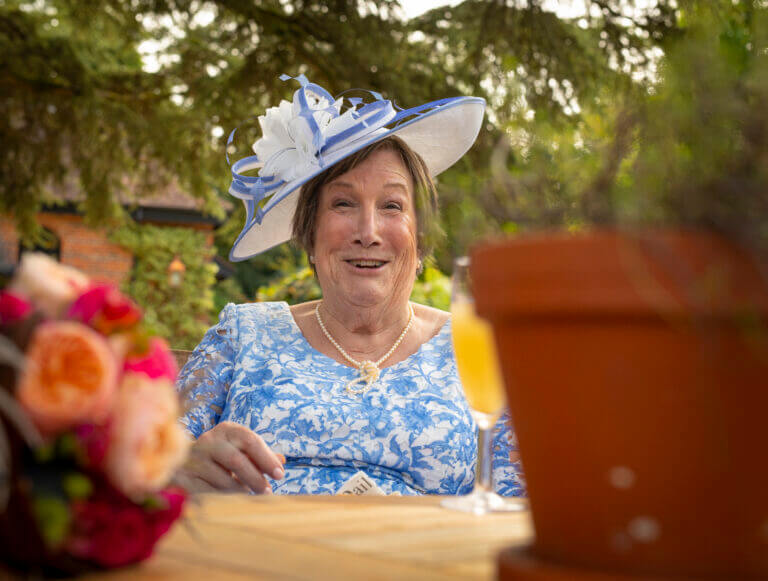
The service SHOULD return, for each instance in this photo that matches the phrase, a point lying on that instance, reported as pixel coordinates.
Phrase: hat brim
(441, 136)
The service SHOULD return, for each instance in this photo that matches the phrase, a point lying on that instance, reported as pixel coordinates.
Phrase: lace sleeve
(507, 473)
(204, 380)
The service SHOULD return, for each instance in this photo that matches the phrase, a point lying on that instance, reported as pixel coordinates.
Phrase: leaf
(77, 485)
(53, 519)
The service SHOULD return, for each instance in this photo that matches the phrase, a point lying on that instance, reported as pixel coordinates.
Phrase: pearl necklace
(369, 370)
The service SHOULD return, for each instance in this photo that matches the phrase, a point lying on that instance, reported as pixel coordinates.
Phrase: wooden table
(233, 537)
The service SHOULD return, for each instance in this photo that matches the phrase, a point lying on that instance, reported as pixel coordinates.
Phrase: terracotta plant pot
(636, 368)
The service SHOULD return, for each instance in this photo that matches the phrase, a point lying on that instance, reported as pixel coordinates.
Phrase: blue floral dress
(411, 432)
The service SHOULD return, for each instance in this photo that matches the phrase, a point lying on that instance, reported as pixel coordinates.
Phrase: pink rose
(69, 378)
(13, 308)
(156, 362)
(50, 286)
(104, 308)
(147, 443)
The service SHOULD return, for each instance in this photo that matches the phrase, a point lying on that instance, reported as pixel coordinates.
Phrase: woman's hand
(230, 458)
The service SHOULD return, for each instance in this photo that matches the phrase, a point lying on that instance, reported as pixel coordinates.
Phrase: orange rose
(70, 376)
(147, 443)
(51, 286)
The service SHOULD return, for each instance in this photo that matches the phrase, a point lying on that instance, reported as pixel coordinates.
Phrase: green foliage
(554, 176)
(704, 132)
(577, 132)
(527, 56)
(688, 151)
(80, 112)
(53, 519)
(181, 314)
(76, 485)
(295, 283)
(432, 288)
(227, 291)
(294, 287)
(262, 270)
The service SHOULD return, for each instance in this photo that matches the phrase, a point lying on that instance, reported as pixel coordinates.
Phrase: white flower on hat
(289, 148)
(311, 134)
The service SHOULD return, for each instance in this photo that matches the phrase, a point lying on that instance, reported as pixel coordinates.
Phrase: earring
(312, 258)
(419, 267)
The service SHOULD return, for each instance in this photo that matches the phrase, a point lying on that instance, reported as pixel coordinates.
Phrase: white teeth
(366, 263)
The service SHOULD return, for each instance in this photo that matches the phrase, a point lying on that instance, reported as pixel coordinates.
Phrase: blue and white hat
(304, 138)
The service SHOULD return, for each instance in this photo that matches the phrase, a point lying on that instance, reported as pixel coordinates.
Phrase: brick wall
(81, 247)
(84, 248)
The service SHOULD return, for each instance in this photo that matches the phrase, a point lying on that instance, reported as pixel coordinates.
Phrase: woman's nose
(368, 227)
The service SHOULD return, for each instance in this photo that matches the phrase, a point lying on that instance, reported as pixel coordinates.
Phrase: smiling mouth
(367, 264)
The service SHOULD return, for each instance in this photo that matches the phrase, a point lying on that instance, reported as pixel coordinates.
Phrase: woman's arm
(225, 456)
(507, 470)
(204, 380)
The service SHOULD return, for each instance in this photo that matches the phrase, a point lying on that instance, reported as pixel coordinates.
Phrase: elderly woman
(299, 399)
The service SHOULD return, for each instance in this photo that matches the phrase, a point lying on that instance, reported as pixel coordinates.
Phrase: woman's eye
(393, 206)
(341, 203)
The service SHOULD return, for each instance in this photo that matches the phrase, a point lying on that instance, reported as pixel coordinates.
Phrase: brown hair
(424, 195)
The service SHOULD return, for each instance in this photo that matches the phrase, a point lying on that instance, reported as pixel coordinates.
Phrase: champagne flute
(480, 376)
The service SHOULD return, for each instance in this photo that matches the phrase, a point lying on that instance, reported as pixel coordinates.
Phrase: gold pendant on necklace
(369, 373)
(369, 370)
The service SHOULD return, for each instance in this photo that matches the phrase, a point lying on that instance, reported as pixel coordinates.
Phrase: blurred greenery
(180, 313)
(296, 282)
(432, 287)
(53, 519)
(586, 123)
(703, 160)
(691, 150)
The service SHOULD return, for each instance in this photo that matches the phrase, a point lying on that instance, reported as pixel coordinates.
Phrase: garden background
(96, 94)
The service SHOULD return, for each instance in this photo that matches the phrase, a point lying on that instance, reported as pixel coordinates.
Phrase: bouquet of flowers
(89, 435)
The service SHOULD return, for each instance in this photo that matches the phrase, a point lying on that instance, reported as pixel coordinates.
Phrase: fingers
(230, 457)
(257, 450)
(197, 485)
(214, 474)
(202, 486)
(267, 490)
(234, 461)
(192, 483)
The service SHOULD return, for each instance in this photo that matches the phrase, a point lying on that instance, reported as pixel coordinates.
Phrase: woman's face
(365, 244)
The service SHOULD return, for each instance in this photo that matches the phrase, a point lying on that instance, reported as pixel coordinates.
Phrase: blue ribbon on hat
(254, 190)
